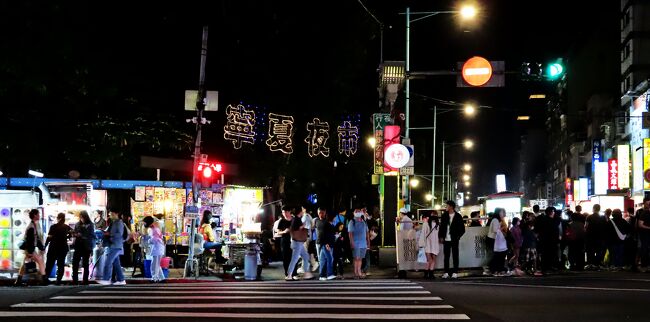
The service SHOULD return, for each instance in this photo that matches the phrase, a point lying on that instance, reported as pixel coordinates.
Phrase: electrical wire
(370, 13)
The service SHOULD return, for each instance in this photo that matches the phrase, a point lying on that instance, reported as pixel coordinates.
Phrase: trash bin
(250, 265)
(147, 268)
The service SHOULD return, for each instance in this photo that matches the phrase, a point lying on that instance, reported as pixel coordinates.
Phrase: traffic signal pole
(200, 107)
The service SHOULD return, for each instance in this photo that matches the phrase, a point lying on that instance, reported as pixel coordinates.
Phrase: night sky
(63, 64)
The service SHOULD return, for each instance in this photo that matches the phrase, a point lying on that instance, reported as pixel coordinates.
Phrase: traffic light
(207, 172)
(555, 69)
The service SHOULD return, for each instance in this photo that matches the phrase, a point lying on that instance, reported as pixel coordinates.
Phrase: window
(626, 19)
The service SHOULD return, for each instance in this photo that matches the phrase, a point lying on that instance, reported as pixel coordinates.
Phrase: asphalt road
(575, 297)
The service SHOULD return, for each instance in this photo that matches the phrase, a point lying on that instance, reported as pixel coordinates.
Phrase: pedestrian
(277, 239)
(156, 248)
(284, 231)
(339, 249)
(372, 232)
(299, 235)
(517, 240)
(84, 242)
(115, 234)
(548, 230)
(475, 221)
(325, 233)
(98, 220)
(405, 222)
(429, 242)
(529, 248)
(630, 248)
(33, 246)
(618, 231)
(536, 211)
(310, 245)
(500, 246)
(57, 240)
(574, 236)
(643, 231)
(594, 238)
(359, 240)
(451, 230)
(209, 237)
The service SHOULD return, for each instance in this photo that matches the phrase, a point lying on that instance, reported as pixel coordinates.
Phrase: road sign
(477, 71)
(191, 212)
(496, 79)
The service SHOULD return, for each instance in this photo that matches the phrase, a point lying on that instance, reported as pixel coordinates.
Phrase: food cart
(241, 229)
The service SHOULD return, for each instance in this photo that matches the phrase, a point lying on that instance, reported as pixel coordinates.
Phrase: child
(529, 249)
(339, 249)
(517, 240)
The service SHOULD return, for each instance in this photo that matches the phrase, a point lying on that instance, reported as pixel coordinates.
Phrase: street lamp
(468, 12)
(470, 110)
(467, 167)
(468, 144)
(466, 177)
(428, 197)
(468, 184)
(414, 182)
(372, 142)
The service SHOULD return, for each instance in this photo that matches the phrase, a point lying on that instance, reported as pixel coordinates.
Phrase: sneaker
(308, 276)
(323, 279)
(288, 278)
(296, 278)
(508, 273)
(301, 271)
(445, 276)
(368, 273)
(119, 283)
(103, 282)
(454, 275)
(331, 277)
(314, 266)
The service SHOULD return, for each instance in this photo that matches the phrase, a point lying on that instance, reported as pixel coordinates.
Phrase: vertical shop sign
(613, 174)
(623, 155)
(380, 120)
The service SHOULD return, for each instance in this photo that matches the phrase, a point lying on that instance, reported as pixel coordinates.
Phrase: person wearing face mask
(359, 240)
(372, 231)
(405, 222)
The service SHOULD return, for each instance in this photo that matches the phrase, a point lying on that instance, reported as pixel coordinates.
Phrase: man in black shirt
(57, 239)
(325, 233)
(595, 238)
(285, 244)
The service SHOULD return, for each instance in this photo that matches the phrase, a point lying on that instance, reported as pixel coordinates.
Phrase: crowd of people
(543, 242)
(99, 246)
(325, 242)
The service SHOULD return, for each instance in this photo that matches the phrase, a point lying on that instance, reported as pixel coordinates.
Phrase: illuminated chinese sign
(623, 155)
(646, 164)
(568, 191)
(613, 174)
(239, 126)
(380, 120)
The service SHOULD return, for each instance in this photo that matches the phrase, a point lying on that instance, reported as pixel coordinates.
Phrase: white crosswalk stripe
(332, 300)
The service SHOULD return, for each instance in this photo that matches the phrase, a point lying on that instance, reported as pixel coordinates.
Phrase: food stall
(166, 203)
(241, 229)
(14, 218)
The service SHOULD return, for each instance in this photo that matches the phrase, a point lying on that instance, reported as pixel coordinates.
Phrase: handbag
(422, 257)
(30, 267)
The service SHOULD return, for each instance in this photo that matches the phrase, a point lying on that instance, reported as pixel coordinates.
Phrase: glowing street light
(415, 182)
(372, 142)
(467, 167)
(468, 184)
(466, 177)
(468, 12)
(468, 144)
(470, 110)
(428, 197)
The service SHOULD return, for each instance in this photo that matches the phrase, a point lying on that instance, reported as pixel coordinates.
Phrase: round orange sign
(477, 71)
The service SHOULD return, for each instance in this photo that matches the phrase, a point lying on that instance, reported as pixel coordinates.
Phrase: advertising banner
(613, 174)
(623, 155)
(380, 120)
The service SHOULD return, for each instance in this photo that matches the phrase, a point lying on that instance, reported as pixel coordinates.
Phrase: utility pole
(200, 107)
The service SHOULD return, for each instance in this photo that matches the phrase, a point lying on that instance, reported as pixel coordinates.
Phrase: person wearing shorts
(359, 240)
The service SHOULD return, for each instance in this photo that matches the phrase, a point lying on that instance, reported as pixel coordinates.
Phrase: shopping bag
(422, 257)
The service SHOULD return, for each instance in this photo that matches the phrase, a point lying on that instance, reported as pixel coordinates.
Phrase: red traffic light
(206, 169)
(207, 172)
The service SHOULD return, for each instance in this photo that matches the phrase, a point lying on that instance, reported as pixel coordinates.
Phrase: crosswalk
(281, 301)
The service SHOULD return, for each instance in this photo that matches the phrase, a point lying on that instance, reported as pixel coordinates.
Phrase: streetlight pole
(433, 173)
(442, 191)
(407, 62)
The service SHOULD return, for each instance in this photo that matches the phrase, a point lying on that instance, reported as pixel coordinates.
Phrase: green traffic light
(555, 70)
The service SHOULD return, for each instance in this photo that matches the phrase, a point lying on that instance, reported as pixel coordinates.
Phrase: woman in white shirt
(429, 241)
(499, 227)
